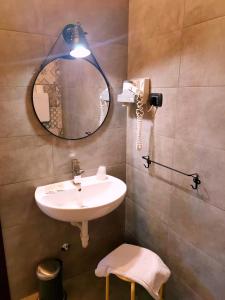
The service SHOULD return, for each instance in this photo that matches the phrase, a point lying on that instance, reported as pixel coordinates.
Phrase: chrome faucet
(77, 171)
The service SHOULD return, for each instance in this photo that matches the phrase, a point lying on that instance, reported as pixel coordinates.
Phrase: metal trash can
(49, 273)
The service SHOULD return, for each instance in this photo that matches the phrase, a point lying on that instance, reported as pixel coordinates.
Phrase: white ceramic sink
(63, 201)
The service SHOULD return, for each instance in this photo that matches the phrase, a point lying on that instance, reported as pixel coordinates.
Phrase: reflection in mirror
(71, 98)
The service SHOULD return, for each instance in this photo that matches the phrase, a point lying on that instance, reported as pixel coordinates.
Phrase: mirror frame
(68, 57)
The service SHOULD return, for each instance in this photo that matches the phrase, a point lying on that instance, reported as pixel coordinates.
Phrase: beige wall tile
(117, 114)
(18, 200)
(200, 116)
(18, 119)
(86, 11)
(164, 119)
(26, 17)
(158, 146)
(133, 156)
(106, 148)
(147, 228)
(202, 61)
(28, 154)
(209, 163)
(25, 158)
(25, 247)
(176, 289)
(148, 192)
(197, 11)
(182, 256)
(162, 152)
(112, 58)
(197, 222)
(13, 93)
(20, 55)
(158, 58)
(190, 127)
(152, 18)
(35, 242)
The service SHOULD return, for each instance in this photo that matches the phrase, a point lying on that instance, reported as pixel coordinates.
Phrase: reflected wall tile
(200, 116)
(158, 59)
(159, 17)
(20, 55)
(209, 163)
(25, 158)
(197, 269)
(203, 61)
(197, 11)
(197, 222)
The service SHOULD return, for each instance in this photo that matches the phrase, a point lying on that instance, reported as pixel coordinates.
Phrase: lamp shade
(80, 51)
(75, 37)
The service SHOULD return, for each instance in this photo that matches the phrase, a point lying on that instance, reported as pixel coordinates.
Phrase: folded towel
(138, 264)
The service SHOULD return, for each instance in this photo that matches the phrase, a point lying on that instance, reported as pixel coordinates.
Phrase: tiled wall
(180, 45)
(29, 156)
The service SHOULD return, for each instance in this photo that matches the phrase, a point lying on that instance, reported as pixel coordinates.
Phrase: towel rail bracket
(195, 176)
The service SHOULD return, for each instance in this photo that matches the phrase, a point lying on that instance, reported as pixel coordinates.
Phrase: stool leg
(161, 293)
(107, 287)
(132, 290)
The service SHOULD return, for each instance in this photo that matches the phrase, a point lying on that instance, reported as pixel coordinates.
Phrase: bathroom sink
(62, 201)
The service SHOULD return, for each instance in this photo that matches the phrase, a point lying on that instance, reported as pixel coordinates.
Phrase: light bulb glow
(80, 51)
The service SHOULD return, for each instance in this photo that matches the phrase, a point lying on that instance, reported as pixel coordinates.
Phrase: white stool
(135, 264)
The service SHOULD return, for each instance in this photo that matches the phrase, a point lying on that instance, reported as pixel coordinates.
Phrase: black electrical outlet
(156, 99)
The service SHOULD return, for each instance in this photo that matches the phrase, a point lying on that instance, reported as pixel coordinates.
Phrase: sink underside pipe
(83, 226)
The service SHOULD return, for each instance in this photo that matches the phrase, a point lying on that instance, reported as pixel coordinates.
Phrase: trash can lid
(48, 269)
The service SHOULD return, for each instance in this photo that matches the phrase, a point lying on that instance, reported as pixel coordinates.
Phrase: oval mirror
(71, 98)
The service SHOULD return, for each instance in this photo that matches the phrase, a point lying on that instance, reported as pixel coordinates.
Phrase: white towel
(138, 264)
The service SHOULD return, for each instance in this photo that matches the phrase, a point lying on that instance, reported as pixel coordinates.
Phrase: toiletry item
(101, 173)
(41, 104)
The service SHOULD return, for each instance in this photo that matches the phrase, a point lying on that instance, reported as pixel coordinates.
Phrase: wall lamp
(71, 43)
(74, 36)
